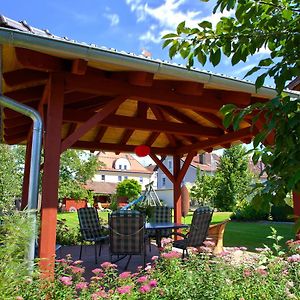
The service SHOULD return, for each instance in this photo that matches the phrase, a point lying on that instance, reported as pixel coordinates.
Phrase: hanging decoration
(142, 150)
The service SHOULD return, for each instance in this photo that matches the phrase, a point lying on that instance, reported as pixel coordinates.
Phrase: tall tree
(76, 167)
(233, 178)
(10, 176)
(255, 24)
(204, 189)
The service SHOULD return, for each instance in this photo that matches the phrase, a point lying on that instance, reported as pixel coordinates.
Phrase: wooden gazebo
(95, 98)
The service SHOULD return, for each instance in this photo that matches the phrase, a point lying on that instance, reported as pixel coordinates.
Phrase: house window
(103, 177)
(169, 164)
(125, 177)
(164, 181)
(141, 179)
(201, 159)
(125, 167)
(119, 178)
(120, 167)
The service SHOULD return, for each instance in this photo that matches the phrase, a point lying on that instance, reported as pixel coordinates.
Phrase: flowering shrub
(235, 274)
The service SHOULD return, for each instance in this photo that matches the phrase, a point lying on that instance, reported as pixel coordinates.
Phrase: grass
(248, 234)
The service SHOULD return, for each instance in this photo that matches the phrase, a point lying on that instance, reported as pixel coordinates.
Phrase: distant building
(206, 162)
(116, 168)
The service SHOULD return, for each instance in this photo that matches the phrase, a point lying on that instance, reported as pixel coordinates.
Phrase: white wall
(166, 195)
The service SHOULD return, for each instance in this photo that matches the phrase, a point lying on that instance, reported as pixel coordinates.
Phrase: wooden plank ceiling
(170, 116)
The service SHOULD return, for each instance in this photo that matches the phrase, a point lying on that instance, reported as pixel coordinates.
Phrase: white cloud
(244, 69)
(215, 18)
(83, 18)
(149, 36)
(113, 18)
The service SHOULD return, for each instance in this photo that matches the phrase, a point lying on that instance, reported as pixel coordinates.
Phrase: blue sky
(130, 25)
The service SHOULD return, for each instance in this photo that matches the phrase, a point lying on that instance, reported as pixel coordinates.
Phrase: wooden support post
(52, 147)
(26, 175)
(296, 201)
(176, 189)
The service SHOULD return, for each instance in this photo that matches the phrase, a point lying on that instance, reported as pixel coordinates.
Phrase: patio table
(158, 227)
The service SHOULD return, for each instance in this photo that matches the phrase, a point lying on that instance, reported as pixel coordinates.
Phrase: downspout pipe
(33, 188)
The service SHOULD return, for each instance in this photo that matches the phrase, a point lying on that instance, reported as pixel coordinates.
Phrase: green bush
(282, 213)
(245, 211)
(65, 235)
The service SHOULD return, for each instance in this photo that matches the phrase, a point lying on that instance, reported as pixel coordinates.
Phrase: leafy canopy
(129, 188)
(76, 167)
(253, 25)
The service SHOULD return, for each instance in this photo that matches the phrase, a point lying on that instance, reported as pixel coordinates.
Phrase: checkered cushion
(126, 232)
(198, 230)
(89, 224)
(161, 214)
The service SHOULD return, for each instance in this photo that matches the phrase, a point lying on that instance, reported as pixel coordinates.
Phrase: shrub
(247, 212)
(129, 188)
(281, 212)
(65, 235)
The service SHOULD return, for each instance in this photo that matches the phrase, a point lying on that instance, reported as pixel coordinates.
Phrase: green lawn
(248, 234)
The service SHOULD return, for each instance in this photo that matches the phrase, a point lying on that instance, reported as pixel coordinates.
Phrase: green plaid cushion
(89, 224)
(198, 230)
(126, 232)
(161, 214)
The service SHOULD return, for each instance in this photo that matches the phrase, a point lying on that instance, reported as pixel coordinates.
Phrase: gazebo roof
(173, 109)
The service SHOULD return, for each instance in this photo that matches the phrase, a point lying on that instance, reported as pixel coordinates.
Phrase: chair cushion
(181, 244)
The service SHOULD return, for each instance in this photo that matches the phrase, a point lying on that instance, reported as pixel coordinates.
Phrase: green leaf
(180, 27)
(236, 57)
(227, 120)
(253, 70)
(287, 14)
(215, 57)
(266, 62)
(205, 24)
(202, 57)
(227, 108)
(259, 138)
(170, 35)
(166, 43)
(260, 81)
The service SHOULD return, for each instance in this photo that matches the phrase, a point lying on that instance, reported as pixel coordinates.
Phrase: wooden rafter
(142, 124)
(91, 122)
(185, 167)
(93, 146)
(24, 76)
(162, 167)
(224, 139)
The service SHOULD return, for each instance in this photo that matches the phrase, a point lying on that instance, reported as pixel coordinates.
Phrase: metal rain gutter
(70, 49)
(33, 188)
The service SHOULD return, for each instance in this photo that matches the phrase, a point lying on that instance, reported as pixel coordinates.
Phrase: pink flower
(246, 273)
(294, 258)
(108, 265)
(205, 249)
(77, 262)
(125, 275)
(144, 289)
(19, 298)
(166, 241)
(76, 270)
(262, 271)
(81, 285)
(243, 248)
(126, 289)
(66, 280)
(97, 271)
(208, 243)
(262, 249)
(171, 255)
(142, 279)
(153, 283)
(99, 295)
(155, 257)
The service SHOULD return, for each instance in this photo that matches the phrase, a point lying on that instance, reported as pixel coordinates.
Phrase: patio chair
(160, 214)
(90, 228)
(127, 234)
(198, 230)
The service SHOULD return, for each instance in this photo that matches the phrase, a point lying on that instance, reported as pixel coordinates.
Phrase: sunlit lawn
(249, 234)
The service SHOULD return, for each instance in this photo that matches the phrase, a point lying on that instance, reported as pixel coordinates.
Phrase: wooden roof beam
(92, 122)
(208, 102)
(212, 119)
(23, 76)
(94, 146)
(213, 142)
(27, 94)
(79, 66)
(142, 124)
